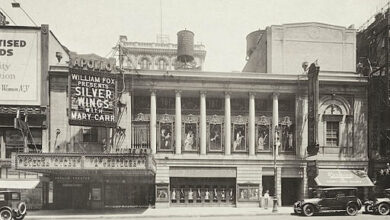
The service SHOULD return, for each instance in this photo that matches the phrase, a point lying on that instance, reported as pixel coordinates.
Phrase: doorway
(291, 189)
(71, 196)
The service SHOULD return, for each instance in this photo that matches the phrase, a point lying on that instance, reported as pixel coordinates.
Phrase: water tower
(185, 50)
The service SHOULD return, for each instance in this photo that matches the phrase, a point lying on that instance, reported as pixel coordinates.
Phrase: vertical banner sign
(313, 97)
(92, 98)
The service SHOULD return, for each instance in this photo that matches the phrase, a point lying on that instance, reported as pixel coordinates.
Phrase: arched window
(162, 65)
(335, 125)
(145, 64)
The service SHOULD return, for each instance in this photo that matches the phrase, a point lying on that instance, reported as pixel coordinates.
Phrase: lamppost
(276, 147)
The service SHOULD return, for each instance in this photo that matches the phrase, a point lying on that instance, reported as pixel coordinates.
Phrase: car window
(331, 194)
(14, 196)
(2, 197)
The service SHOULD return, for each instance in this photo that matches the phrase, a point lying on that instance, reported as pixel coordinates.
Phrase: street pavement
(214, 213)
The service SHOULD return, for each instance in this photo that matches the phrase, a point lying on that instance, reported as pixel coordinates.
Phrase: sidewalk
(155, 213)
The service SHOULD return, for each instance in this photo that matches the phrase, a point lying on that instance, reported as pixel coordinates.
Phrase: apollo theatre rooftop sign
(92, 96)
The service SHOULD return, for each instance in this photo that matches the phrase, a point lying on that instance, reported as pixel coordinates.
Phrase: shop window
(90, 135)
(248, 192)
(332, 133)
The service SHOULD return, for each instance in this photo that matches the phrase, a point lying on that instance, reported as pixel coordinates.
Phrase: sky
(94, 26)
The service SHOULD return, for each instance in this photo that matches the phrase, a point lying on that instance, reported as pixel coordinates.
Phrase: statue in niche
(239, 141)
(166, 136)
(190, 137)
(215, 137)
(263, 140)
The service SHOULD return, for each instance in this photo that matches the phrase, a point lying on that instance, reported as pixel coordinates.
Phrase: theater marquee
(92, 98)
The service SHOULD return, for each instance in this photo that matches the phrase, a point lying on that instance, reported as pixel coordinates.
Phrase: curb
(144, 216)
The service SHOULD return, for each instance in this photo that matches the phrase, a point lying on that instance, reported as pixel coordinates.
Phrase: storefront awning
(18, 184)
(350, 178)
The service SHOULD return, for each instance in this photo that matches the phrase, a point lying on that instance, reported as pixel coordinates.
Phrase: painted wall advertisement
(19, 67)
(92, 98)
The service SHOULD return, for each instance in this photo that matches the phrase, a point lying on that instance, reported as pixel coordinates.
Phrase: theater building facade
(198, 138)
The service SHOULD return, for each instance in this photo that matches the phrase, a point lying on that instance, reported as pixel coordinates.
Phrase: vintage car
(330, 200)
(382, 205)
(11, 207)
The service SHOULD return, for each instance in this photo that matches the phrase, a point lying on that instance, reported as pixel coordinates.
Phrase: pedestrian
(266, 199)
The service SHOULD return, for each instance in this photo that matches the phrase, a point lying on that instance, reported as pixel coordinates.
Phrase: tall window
(144, 64)
(162, 65)
(332, 133)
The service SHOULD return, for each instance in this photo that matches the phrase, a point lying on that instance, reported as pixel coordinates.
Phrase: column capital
(275, 94)
(228, 93)
(178, 92)
(203, 92)
(152, 91)
(252, 94)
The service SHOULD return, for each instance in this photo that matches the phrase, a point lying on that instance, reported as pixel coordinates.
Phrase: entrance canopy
(18, 184)
(350, 178)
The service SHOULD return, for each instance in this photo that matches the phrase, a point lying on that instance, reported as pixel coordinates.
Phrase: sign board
(81, 162)
(20, 67)
(342, 178)
(92, 98)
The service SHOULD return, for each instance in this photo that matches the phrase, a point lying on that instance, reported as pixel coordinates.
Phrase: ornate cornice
(239, 119)
(191, 119)
(165, 118)
(141, 117)
(215, 119)
(263, 120)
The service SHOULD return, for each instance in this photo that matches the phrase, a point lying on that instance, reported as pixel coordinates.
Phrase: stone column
(202, 123)
(275, 117)
(178, 122)
(153, 126)
(251, 124)
(228, 130)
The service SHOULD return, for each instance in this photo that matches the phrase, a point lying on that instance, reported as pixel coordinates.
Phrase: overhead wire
(5, 13)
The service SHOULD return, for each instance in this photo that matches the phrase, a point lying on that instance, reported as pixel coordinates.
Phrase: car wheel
(352, 209)
(5, 214)
(20, 217)
(308, 210)
(369, 208)
(383, 209)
